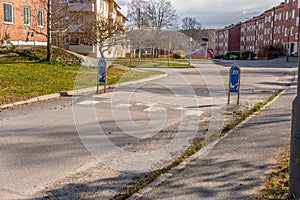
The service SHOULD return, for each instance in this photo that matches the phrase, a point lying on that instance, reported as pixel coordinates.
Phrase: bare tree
(137, 14)
(192, 28)
(59, 22)
(150, 17)
(103, 32)
(39, 7)
(189, 23)
(162, 15)
(49, 34)
(154, 14)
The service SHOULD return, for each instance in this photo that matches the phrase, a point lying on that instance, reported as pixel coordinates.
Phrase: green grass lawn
(22, 79)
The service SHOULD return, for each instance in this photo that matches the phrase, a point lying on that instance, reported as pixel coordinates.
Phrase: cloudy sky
(216, 13)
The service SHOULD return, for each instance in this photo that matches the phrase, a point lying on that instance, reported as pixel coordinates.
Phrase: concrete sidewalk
(237, 165)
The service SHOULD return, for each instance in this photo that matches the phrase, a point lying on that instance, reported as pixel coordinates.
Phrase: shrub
(175, 55)
(232, 53)
(271, 51)
(239, 55)
(244, 55)
(28, 54)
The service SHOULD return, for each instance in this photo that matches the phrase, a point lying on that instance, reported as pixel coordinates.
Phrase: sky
(216, 13)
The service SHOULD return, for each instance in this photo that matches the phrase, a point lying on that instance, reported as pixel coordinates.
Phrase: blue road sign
(102, 70)
(235, 79)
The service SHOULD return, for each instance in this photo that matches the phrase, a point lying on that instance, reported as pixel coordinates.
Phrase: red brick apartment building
(277, 25)
(228, 39)
(23, 21)
(250, 37)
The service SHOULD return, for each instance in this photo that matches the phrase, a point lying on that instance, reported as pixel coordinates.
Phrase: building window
(26, 16)
(8, 13)
(293, 14)
(41, 18)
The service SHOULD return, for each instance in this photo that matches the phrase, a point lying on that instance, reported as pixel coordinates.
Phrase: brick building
(228, 39)
(276, 26)
(250, 34)
(221, 41)
(291, 23)
(24, 22)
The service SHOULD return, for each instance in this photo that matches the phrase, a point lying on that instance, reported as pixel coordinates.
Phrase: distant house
(74, 18)
(23, 22)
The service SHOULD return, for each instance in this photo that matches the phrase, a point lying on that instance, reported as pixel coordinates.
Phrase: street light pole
(294, 182)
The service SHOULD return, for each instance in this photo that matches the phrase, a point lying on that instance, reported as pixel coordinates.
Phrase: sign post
(101, 78)
(234, 82)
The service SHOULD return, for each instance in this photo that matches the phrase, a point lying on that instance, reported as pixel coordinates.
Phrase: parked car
(200, 54)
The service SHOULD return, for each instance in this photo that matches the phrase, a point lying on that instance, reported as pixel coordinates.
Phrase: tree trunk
(49, 35)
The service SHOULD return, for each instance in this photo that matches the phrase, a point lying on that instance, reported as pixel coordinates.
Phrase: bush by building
(271, 51)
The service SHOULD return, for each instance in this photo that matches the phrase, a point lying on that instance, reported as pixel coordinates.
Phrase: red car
(200, 54)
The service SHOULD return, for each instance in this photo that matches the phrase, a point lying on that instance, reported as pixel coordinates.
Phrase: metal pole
(190, 51)
(98, 80)
(288, 48)
(229, 89)
(139, 26)
(294, 183)
(104, 85)
(238, 98)
(206, 50)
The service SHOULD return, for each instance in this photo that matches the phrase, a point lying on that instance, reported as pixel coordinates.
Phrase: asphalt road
(40, 146)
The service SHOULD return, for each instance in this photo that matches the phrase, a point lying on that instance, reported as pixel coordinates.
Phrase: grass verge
(140, 182)
(151, 63)
(22, 79)
(277, 186)
(167, 59)
(244, 116)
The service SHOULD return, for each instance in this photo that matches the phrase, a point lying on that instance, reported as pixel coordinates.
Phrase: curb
(79, 91)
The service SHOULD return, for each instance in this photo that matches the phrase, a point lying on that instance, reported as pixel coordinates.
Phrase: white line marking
(88, 102)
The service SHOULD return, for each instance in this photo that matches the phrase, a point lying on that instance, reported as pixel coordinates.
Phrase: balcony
(81, 48)
(86, 7)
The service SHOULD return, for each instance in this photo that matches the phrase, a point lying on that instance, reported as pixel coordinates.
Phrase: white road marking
(154, 108)
(122, 105)
(193, 112)
(88, 102)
